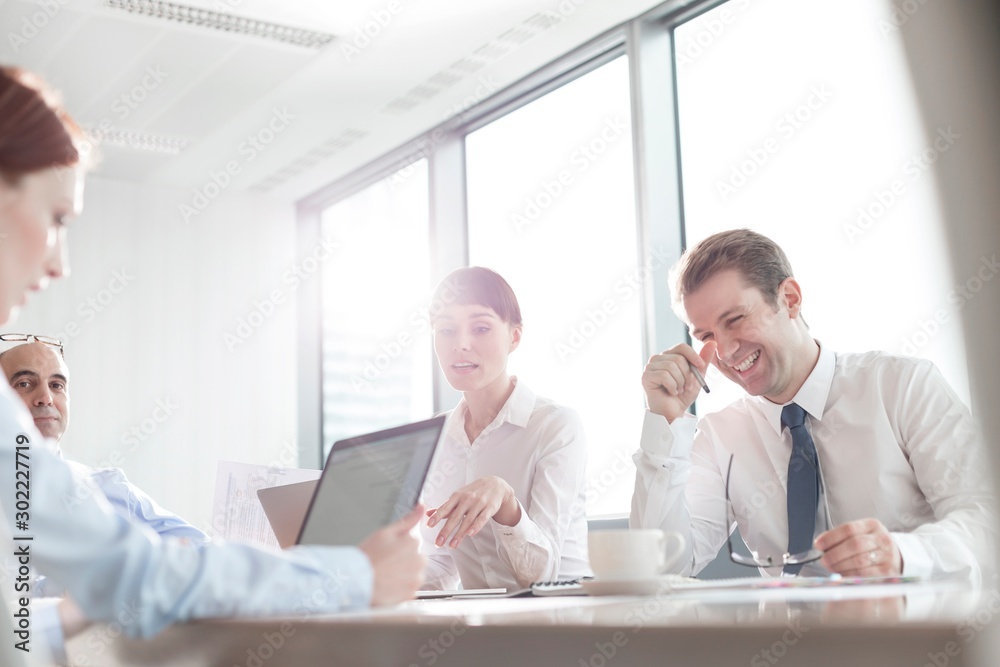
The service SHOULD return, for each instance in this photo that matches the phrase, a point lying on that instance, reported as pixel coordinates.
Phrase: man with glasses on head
(858, 464)
(38, 373)
(36, 370)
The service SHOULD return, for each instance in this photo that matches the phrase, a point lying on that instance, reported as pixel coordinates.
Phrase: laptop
(285, 507)
(368, 482)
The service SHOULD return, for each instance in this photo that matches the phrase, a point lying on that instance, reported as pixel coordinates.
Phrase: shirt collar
(813, 393)
(516, 411)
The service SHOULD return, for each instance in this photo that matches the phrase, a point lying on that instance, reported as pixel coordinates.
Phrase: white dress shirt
(894, 443)
(538, 448)
(109, 564)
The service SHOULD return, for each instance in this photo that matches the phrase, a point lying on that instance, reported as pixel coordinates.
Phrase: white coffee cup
(633, 554)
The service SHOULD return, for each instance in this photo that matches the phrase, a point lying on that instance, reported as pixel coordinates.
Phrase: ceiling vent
(487, 54)
(318, 154)
(223, 22)
(139, 141)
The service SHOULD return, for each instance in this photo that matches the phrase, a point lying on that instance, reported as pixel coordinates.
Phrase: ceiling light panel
(140, 141)
(222, 21)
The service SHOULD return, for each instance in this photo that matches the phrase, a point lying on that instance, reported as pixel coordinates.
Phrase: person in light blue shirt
(106, 562)
(36, 370)
(134, 504)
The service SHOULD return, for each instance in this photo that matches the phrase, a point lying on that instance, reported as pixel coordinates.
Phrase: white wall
(160, 339)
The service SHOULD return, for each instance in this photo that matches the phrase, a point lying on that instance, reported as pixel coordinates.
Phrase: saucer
(644, 586)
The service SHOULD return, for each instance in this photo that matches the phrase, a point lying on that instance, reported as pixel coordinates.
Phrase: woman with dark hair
(106, 563)
(507, 483)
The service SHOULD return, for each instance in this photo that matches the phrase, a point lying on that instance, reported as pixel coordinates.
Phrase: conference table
(940, 624)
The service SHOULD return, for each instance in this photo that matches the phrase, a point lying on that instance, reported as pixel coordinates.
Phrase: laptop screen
(369, 482)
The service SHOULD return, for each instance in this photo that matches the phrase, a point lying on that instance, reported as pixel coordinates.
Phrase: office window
(551, 208)
(376, 339)
(799, 121)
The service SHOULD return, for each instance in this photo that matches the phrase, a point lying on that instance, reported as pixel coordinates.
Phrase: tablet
(369, 482)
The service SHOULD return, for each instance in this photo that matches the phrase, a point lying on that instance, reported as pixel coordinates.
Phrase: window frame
(648, 42)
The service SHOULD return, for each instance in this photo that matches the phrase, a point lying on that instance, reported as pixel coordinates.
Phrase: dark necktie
(803, 484)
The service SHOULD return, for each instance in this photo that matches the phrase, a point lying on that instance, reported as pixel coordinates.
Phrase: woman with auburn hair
(41, 186)
(507, 482)
(106, 563)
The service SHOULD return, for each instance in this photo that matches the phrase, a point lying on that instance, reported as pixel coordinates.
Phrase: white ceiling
(215, 89)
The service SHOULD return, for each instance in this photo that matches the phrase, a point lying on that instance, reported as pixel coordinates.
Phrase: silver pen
(700, 379)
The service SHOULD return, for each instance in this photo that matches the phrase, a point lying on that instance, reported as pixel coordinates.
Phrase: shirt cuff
(47, 626)
(917, 561)
(519, 533)
(665, 440)
(351, 574)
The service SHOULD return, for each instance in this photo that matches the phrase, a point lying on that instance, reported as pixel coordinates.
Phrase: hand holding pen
(672, 380)
(700, 379)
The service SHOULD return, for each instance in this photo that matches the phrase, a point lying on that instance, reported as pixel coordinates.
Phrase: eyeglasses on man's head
(32, 338)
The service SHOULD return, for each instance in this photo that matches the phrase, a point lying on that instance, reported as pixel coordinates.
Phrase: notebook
(368, 482)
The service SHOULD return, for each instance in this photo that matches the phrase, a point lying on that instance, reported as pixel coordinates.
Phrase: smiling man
(861, 464)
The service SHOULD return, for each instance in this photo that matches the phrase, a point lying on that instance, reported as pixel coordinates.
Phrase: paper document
(236, 512)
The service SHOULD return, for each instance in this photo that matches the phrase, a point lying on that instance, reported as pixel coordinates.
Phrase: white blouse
(538, 448)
